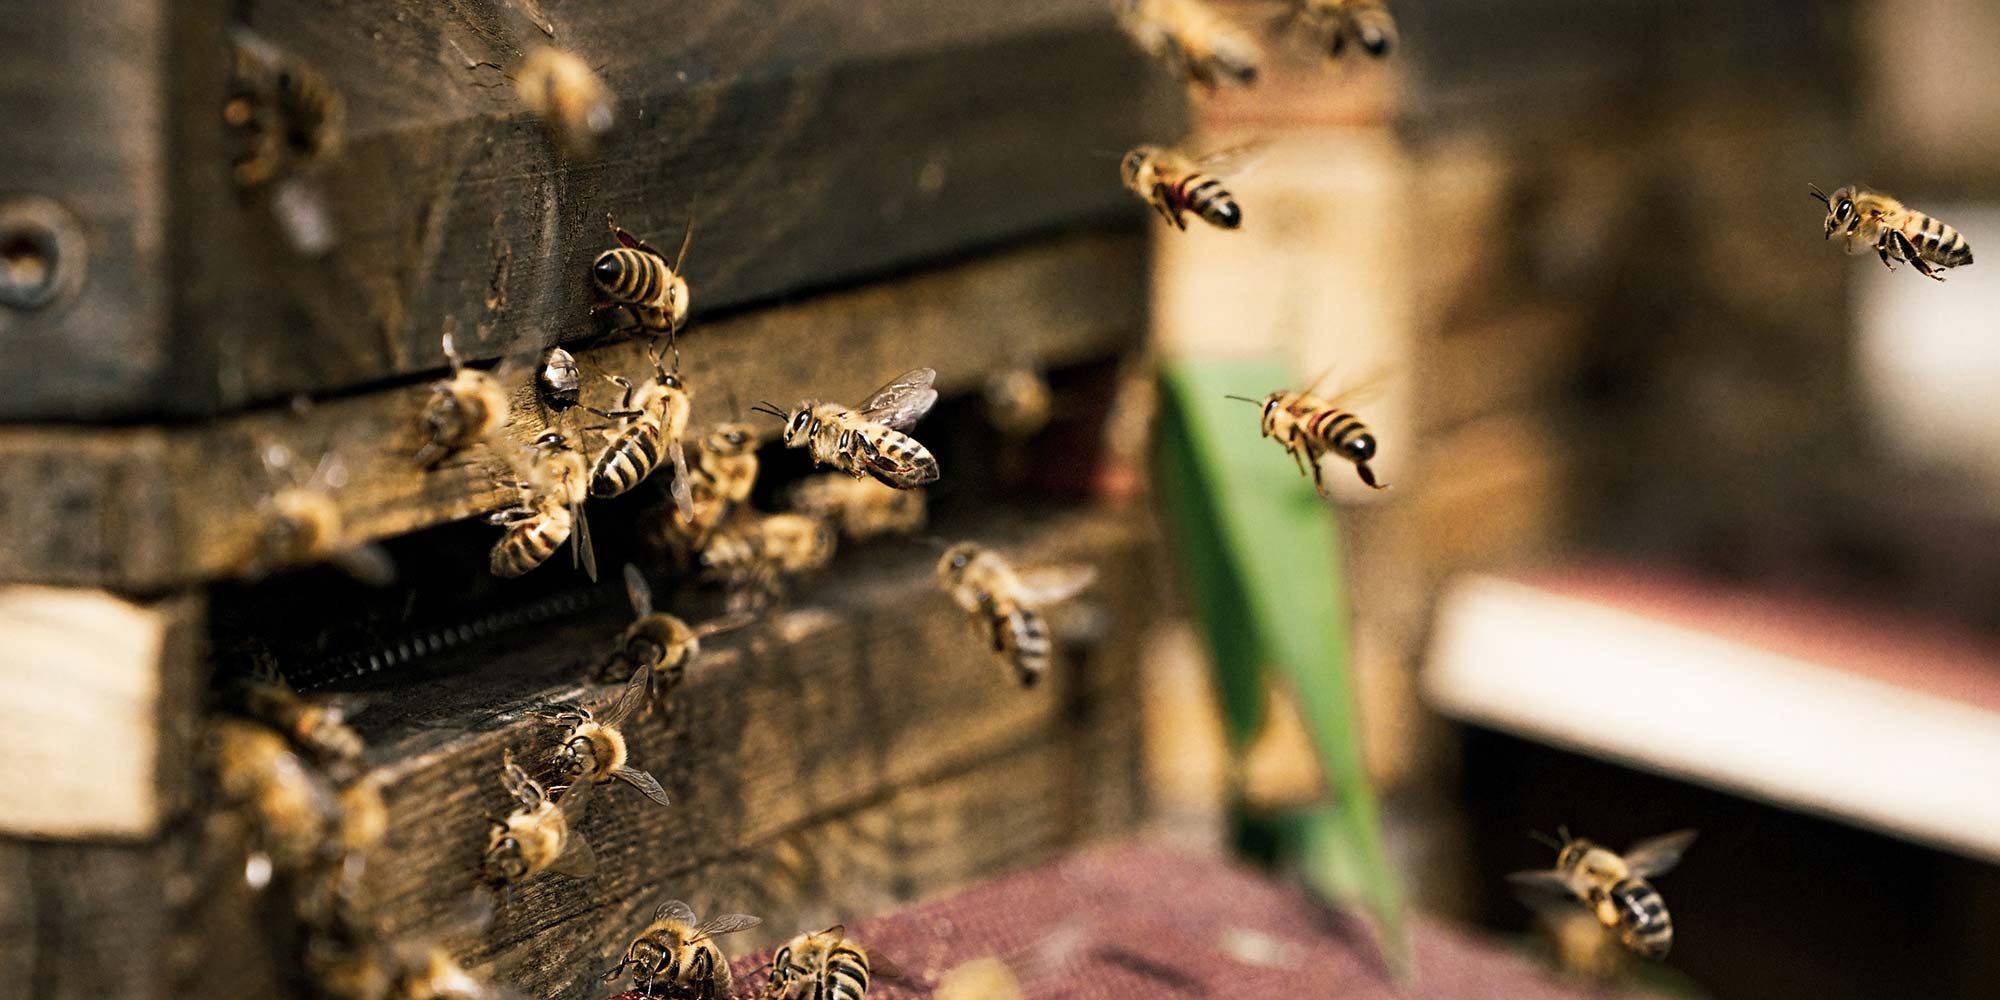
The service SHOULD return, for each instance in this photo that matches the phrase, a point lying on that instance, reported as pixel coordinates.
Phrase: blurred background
(1693, 520)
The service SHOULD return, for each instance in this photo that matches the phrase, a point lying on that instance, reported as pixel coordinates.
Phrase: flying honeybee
(1175, 183)
(540, 834)
(823, 965)
(1007, 605)
(1310, 428)
(303, 522)
(549, 512)
(755, 553)
(290, 117)
(679, 949)
(567, 95)
(593, 747)
(1019, 401)
(871, 439)
(655, 418)
(558, 383)
(860, 508)
(1333, 24)
(658, 643)
(293, 810)
(638, 278)
(1870, 221)
(1614, 887)
(468, 407)
(1201, 43)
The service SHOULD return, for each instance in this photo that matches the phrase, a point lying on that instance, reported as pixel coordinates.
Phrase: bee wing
(726, 623)
(638, 591)
(1055, 584)
(368, 564)
(1658, 855)
(1233, 161)
(884, 966)
(902, 402)
(674, 909)
(726, 923)
(682, 491)
(1365, 390)
(581, 551)
(1538, 887)
(647, 785)
(577, 859)
(630, 698)
(629, 241)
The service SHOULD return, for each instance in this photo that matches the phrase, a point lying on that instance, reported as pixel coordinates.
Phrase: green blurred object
(1259, 551)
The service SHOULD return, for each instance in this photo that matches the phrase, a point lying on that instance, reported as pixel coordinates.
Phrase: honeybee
(558, 383)
(1202, 44)
(566, 94)
(680, 950)
(593, 748)
(1331, 24)
(1614, 887)
(726, 465)
(353, 960)
(655, 419)
(1007, 604)
(468, 407)
(549, 512)
(1019, 402)
(754, 554)
(823, 966)
(316, 725)
(291, 118)
(540, 834)
(638, 278)
(302, 522)
(860, 508)
(869, 440)
(1175, 183)
(658, 643)
(293, 809)
(1310, 428)
(1867, 220)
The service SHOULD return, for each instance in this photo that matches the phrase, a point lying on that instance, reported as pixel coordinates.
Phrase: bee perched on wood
(1333, 24)
(1310, 428)
(557, 383)
(1176, 184)
(315, 725)
(754, 554)
(352, 957)
(638, 278)
(549, 513)
(292, 808)
(1867, 220)
(566, 94)
(655, 418)
(1007, 605)
(679, 949)
(823, 965)
(291, 118)
(871, 439)
(859, 508)
(1201, 43)
(302, 522)
(658, 643)
(1614, 887)
(725, 467)
(593, 748)
(540, 834)
(468, 407)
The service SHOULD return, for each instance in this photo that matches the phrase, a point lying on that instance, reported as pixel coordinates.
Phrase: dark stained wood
(147, 508)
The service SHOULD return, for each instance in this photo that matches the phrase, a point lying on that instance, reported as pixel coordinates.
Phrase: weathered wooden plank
(146, 508)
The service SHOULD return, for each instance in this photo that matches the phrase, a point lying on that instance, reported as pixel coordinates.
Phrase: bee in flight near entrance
(1200, 42)
(568, 96)
(593, 748)
(540, 834)
(679, 949)
(291, 118)
(1007, 605)
(549, 513)
(655, 419)
(468, 407)
(1615, 887)
(638, 278)
(824, 965)
(871, 439)
(1310, 428)
(1333, 24)
(1869, 221)
(860, 508)
(303, 523)
(1176, 184)
(756, 553)
(658, 643)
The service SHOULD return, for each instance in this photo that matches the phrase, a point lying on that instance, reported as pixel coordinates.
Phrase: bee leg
(1908, 251)
(1883, 249)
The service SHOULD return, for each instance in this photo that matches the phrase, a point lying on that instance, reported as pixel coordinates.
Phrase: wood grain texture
(817, 143)
(148, 508)
(862, 748)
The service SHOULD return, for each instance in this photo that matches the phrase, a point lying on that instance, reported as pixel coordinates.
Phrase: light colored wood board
(146, 509)
(96, 696)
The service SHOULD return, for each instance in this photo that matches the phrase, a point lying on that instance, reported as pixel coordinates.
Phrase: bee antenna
(766, 406)
(932, 541)
(1813, 189)
(1563, 832)
(1244, 398)
(1543, 838)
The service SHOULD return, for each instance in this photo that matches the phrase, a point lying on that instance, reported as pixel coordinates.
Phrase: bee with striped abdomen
(593, 748)
(1866, 220)
(1615, 887)
(655, 418)
(638, 278)
(824, 965)
(679, 949)
(872, 439)
(860, 508)
(540, 833)
(549, 512)
(1310, 428)
(468, 407)
(1176, 184)
(1006, 605)
(1333, 24)
(1201, 43)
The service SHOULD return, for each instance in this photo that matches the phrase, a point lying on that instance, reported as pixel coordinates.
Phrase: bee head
(1840, 211)
(952, 565)
(1134, 161)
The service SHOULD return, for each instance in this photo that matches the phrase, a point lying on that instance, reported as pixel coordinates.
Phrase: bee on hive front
(1614, 887)
(824, 965)
(316, 725)
(656, 642)
(593, 748)
(1007, 605)
(1203, 45)
(557, 382)
(860, 508)
(540, 834)
(303, 524)
(1870, 221)
(869, 440)
(290, 117)
(1309, 428)
(549, 512)
(1176, 184)
(567, 95)
(655, 418)
(638, 278)
(1334, 24)
(293, 810)
(468, 407)
(679, 949)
